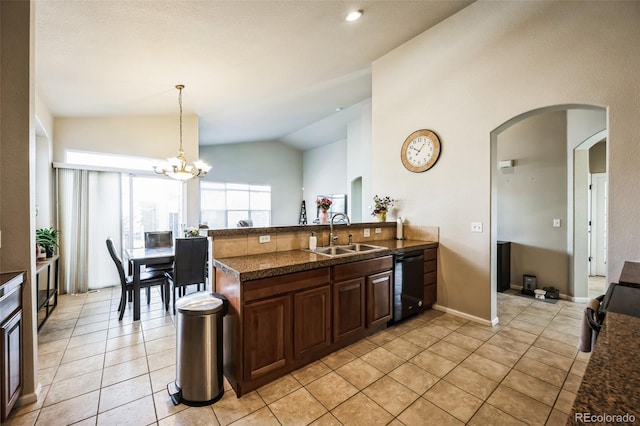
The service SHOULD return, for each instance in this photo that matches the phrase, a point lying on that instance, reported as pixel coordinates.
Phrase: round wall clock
(420, 151)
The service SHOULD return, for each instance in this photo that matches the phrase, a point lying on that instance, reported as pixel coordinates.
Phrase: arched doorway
(539, 197)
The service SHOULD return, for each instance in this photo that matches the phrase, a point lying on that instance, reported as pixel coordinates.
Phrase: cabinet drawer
(282, 284)
(430, 278)
(430, 265)
(430, 254)
(362, 268)
(430, 295)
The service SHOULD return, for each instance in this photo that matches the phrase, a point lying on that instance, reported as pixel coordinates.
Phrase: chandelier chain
(180, 87)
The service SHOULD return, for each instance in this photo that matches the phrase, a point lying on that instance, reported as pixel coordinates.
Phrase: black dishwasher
(408, 284)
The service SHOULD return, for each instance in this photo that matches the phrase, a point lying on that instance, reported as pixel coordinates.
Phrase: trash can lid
(202, 302)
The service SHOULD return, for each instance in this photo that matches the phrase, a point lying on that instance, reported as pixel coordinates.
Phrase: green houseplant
(47, 238)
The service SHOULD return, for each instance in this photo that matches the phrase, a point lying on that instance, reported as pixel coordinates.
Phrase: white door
(598, 222)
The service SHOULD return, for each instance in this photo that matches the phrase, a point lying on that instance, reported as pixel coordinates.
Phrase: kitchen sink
(346, 250)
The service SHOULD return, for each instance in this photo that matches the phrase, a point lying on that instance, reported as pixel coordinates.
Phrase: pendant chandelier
(178, 168)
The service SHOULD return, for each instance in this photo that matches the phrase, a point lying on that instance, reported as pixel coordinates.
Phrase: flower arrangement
(382, 205)
(191, 232)
(323, 203)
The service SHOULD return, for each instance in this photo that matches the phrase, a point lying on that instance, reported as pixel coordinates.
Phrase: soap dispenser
(313, 241)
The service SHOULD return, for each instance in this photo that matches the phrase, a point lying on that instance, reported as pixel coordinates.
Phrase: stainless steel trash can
(199, 375)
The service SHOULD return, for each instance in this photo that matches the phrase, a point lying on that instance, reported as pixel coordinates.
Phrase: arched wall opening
(539, 202)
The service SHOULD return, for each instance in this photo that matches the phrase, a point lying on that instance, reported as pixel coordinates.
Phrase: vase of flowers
(381, 207)
(323, 204)
(191, 232)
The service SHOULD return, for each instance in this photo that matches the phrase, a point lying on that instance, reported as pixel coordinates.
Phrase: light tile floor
(432, 369)
(596, 286)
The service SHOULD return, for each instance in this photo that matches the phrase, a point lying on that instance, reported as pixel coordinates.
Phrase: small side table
(48, 270)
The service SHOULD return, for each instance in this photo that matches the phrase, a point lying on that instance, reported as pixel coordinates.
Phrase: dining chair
(147, 280)
(159, 239)
(189, 266)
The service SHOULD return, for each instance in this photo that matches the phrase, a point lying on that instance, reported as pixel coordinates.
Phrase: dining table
(139, 257)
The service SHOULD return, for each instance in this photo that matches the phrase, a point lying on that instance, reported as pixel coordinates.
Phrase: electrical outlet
(476, 226)
(265, 238)
(556, 223)
(367, 232)
(378, 230)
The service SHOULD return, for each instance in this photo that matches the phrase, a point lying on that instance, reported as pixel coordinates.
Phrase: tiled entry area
(433, 369)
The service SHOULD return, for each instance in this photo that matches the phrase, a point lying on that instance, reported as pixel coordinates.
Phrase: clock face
(420, 151)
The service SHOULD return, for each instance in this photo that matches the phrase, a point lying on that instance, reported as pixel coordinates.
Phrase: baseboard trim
(29, 398)
(466, 316)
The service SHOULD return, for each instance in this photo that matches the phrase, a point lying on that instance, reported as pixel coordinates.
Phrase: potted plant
(47, 239)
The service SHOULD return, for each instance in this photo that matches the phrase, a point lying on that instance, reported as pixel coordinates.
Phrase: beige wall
(465, 77)
(533, 193)
(17, 176)
(598, 158)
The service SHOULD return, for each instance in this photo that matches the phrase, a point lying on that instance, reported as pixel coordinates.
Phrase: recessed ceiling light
(338, 109)
(354, 16)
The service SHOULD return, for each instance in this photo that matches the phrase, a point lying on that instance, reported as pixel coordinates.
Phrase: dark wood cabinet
(267, 336)
(430, 277)
(503, 266)
(379, 298)
(278, 324)
(348, 309)
(312, 321)
(10, 340)
(362, 298)
(11, 332)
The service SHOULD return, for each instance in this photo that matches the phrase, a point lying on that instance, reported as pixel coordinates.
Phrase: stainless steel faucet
(332, 238)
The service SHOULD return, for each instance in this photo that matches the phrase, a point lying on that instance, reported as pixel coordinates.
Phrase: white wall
(324, 172)
(155, 137)
(476, 70)
(261, 163)
(359, 162)
(533, 193)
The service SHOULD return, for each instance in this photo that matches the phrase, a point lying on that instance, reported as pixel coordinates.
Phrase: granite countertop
(257, 266)
(612, 378)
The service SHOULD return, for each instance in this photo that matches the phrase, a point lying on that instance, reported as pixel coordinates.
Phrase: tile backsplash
(248, 243)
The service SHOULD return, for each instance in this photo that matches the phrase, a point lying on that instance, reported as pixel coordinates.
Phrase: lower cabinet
(312, 321)
(267, 332)
(278, 324)
(10, 341)
(379, 298)
(430, 277)
(348, 309)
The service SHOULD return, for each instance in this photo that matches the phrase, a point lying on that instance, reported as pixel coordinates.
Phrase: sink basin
(346, 250)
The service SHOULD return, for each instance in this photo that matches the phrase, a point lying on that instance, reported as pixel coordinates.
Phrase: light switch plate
(476, 226)
(265, 238)
(367, 232)
(556, 223)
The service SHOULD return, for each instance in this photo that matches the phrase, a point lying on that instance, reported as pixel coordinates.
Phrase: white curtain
(89, 211)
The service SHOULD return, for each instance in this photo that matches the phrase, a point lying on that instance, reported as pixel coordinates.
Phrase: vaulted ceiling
(253, 70)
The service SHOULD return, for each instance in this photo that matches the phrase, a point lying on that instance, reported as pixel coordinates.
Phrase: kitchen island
(608, 393)
(290, 308)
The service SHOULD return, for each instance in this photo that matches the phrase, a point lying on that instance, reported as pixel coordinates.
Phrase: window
(149, 203)
(223, 205)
